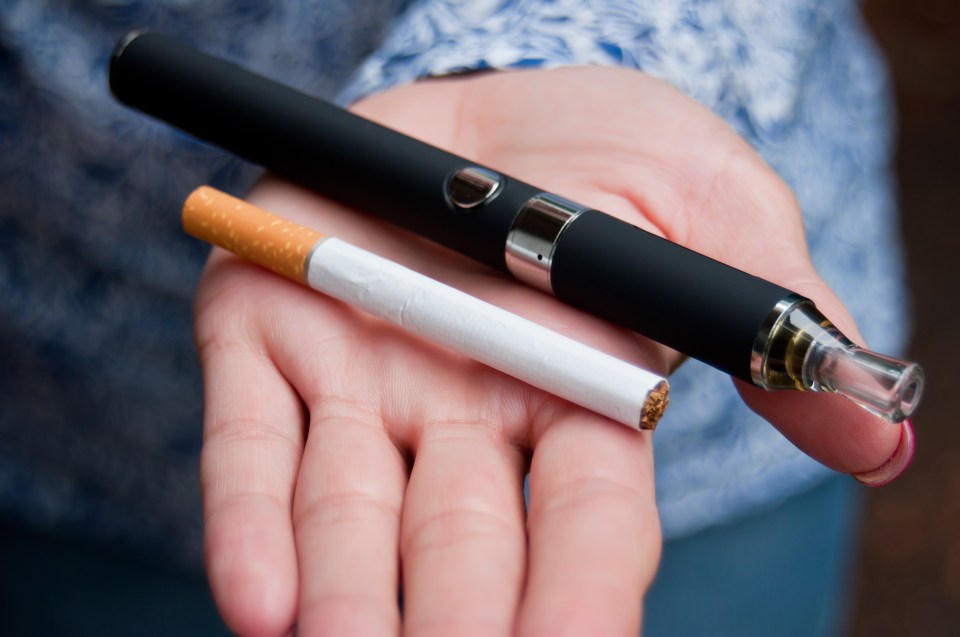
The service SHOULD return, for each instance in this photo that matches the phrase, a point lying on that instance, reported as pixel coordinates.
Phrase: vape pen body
(705, 309)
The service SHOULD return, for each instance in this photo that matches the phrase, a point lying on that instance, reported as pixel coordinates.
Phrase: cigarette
(439, 313)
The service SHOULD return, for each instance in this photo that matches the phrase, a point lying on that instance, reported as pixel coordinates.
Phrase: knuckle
(346, 507)
(452, 527)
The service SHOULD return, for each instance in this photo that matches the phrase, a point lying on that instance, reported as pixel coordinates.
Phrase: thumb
(830, 428)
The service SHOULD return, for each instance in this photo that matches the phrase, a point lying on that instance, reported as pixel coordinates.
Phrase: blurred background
(908, 581)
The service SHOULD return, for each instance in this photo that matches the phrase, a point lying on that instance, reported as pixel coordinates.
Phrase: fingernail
(896, 465)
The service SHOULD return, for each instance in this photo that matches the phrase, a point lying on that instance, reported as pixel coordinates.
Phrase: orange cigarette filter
(250, 232)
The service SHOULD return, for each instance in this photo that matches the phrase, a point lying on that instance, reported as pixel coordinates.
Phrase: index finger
(747, 217)
(830, 428)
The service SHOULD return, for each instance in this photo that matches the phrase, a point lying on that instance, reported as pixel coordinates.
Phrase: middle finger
(463, 542)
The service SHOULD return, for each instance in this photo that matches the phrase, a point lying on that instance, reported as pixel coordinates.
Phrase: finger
(594, 529)
(751, 220)
(347, 523)
(252, 444)
(351, 479)
(463, 539)
(829, 428)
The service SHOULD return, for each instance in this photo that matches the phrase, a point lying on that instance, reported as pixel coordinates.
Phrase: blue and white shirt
(100, 392)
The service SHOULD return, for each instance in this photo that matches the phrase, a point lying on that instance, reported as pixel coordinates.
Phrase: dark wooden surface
(908, 580)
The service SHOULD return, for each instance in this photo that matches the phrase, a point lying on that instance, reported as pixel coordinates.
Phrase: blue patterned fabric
(100, 397)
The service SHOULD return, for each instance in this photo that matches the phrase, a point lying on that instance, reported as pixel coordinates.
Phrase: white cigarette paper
(484, 332)
(439, 313)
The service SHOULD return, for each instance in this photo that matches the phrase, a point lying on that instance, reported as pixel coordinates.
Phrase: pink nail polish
(896, 465)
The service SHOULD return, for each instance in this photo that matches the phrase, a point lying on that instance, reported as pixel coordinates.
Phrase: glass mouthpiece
(886, 386)
(805, 351)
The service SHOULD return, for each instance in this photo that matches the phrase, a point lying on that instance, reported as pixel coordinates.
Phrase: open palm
(345, 460)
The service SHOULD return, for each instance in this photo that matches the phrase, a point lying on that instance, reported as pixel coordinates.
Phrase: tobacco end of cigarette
(249, 232)
(657, 400)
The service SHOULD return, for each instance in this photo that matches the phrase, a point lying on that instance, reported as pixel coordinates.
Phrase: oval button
(471, 187)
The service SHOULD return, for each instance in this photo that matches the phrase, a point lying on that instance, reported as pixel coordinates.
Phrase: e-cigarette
(741, 324)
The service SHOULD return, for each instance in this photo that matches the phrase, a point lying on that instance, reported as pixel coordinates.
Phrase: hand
(338, 448)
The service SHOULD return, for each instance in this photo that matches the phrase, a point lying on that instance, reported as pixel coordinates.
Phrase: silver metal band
(533, 237)
(759, 356)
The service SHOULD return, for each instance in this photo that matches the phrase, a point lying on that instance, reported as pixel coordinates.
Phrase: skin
(342, 456)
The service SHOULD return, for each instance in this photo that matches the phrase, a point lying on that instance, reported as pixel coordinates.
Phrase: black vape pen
(741, 324)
